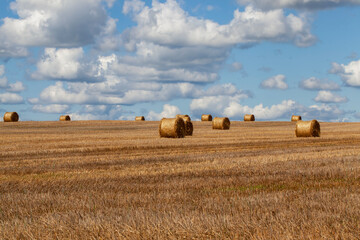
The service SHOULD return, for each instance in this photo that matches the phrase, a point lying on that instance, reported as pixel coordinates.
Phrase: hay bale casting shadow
(206, 118)
(249, 117)
(307, 129)
(11, 117)
(188, 124)
(65, 118)
(172, 128)
(140, 118)
(221, 123)
(295, 118)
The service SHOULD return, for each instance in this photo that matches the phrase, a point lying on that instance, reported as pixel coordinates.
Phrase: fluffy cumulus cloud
(298, 4)
(16, 87)
(52, 108)
(11, 98)
(65, 64)
(329, 97)
(168, 24)
(169, 111)
(323, 112)
(231, 107)
(314, 83)
(283, 109)
(275, 82)
(120, 91)
(170, 55)
(60, 23)
(350, 73)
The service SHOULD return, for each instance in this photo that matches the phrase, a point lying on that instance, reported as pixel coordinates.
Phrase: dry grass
(120, 180)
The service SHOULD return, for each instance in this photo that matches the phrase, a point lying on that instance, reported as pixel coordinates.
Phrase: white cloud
(350, 73)
(167, 24)
(275, 82)
(324, 112)
(16, 87)
(133, 6)
(61, 23)
(230, 107)
(329, 97)
(86, 116)
(317, 84)
(298, 4)
(98, 109)
(52, 108)
(235, 110)
(10, 98)
(169, 111)
(8, 50)
(65, 64)
(283, 109)
(216, 99)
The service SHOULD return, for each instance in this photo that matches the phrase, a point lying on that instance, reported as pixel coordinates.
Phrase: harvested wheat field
(120, 180)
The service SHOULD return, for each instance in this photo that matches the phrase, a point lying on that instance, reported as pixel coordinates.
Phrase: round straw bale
(307, 129)
(140, 118)
(183, 116)
(11, 117)
(188, 128)
(221, 123)
(206, 117)
(65, 118)
(188, 124)
(172, 128)
(249, 117)
(295, 118)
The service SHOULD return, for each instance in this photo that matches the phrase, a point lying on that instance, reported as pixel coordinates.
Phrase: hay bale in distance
(65, 118)
(172, 128)
(307, 129)
(295, 118)
(249, 117)
(11, 117)
(206, 118)
(221, 123)
(140, 118)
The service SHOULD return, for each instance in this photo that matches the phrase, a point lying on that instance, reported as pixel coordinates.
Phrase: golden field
(120, 180)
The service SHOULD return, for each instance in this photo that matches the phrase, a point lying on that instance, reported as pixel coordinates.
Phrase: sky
(117, 59)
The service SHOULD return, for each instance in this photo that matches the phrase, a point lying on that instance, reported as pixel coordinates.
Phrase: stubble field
(119, 180)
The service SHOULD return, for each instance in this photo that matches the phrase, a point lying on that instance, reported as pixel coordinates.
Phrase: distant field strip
(120, 180)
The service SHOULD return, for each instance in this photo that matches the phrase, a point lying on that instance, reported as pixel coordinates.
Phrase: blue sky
(111, 59)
